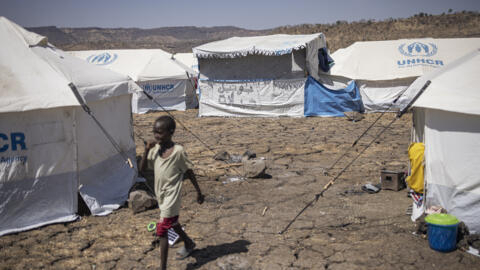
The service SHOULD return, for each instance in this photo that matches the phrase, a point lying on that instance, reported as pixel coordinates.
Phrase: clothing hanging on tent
(416, 156)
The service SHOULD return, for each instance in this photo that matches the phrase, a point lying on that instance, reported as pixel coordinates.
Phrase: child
(171, 165)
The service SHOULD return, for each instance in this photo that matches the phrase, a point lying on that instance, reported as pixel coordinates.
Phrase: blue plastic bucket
(442, 237)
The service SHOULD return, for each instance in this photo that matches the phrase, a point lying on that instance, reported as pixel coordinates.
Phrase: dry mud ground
(345, 229)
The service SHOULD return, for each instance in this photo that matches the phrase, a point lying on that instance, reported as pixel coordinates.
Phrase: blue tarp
(321, 101)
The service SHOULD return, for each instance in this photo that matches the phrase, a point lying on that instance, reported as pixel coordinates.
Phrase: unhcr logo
(419, 55)
(158, 88)
(418, 49)
(102, 59)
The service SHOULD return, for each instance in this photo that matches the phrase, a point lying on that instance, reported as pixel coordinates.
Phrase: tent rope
(329, 184)
(104, 131)
(374, 122)
(187, 129)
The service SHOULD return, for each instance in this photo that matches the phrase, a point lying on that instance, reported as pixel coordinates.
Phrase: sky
(249, 14)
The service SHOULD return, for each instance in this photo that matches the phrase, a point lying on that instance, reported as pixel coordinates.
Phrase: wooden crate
(392, 180)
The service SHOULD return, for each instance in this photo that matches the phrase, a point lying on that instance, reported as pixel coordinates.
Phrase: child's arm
(191, 175)
(143, 162)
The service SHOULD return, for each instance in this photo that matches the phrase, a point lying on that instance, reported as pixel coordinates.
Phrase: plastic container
(442, 232)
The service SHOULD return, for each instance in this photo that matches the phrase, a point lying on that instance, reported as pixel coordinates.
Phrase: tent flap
(321, 101)
(452, 155)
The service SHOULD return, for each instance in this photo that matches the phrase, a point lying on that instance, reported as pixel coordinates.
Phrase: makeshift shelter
(50, 148)
(384, 69)
(264, 76)
(447, 120)
(156, 71)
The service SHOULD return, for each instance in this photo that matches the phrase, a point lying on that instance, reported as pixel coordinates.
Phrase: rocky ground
(237, 226)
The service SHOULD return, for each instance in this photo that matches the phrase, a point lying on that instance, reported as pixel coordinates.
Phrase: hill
(339, 35)
(173, 39)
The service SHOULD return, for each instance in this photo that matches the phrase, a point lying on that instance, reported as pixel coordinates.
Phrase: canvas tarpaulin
(49, 147)
(256, 98)
(322, 101)
(38, 179)
(272, 45)
(104, 177)
(171, 94)
(152, 69)
(257, 76)
(447, 120)
(452, 155)
(383, 69)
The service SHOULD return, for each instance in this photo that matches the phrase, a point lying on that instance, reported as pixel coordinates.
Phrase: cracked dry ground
(345, 229)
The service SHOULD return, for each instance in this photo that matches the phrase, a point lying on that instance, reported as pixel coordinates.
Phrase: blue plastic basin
(442, 237)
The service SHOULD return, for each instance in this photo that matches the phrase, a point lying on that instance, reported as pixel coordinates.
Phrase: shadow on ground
(211, 253)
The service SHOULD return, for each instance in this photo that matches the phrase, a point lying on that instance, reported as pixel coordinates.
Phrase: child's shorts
(165, 224)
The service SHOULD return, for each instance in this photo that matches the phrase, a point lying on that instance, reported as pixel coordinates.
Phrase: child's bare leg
(183, 236)
(163, 252)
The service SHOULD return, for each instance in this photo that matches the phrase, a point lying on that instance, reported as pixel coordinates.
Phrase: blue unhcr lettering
(18, 138)
(10, 160)
(5, 146)
(158, 88)
(419, 61)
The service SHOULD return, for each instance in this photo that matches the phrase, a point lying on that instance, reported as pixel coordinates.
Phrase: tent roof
(454, 88)
(267, 45)
(188, 59)
(395, 59)
(35, 74)
(139, 64)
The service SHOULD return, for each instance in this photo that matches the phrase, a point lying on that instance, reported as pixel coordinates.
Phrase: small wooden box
(392, 180)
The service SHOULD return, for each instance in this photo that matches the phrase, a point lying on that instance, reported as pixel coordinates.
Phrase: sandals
(184, 252)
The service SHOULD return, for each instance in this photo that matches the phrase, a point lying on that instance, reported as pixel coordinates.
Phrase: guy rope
(330, 183)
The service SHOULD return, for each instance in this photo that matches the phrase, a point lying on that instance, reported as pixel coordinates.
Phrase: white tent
(257, 76)
(50, 149)
(189, 60)
(447, 120)
(160, 75)
(383, 69)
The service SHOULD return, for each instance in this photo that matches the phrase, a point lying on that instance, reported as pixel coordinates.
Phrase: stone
(248, 155)
(222, 155)
(254, 168)
(140, 201)
(354, 116)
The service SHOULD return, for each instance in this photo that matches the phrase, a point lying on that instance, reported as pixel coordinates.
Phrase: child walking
(171, 166)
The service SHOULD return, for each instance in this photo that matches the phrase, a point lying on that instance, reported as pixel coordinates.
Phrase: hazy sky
(250, 14)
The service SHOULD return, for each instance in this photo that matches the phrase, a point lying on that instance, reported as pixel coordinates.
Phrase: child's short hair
(168, 121)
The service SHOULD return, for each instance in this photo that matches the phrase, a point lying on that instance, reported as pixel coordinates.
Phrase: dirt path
(345, 229)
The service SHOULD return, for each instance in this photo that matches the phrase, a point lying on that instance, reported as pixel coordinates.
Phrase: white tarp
(49, 147)
(272, 45)
(450, 112)
(454, 88)
(262, 98)
(188, 59)
(264, 45)
(152, 69)
(383, 69)
(257, 76)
